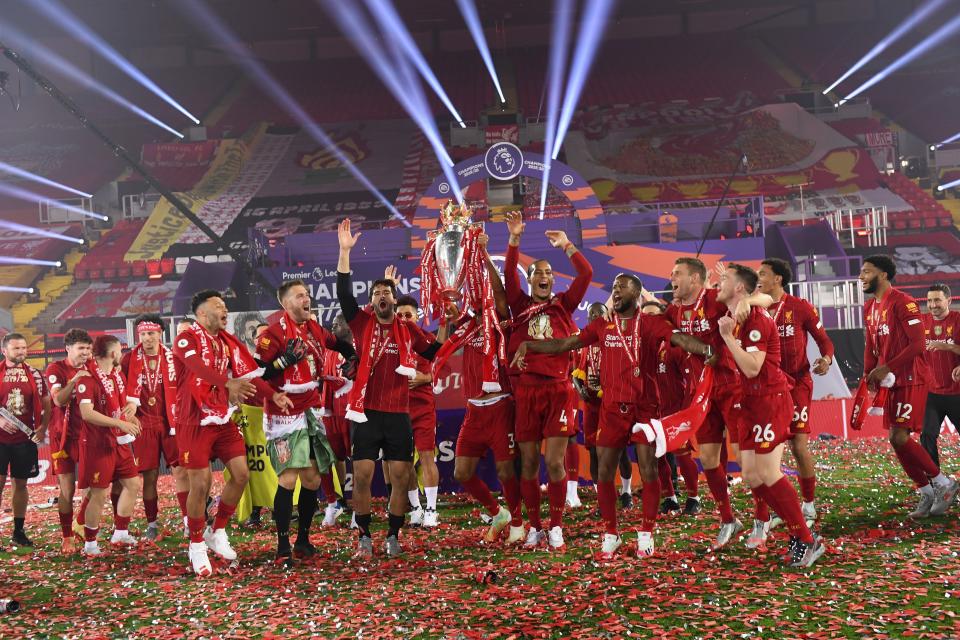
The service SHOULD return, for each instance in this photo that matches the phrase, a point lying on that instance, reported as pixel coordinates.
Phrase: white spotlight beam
(383, 10)
(33, 231)
(26, 175)
(949, 185)
(913, 20)
(592, 24)
(559, 43)
(6, 289)
(268, 84)
(73, 72)
(32, 196)
(73, 25)
(472, 18)
(931, 41)
(29, 261)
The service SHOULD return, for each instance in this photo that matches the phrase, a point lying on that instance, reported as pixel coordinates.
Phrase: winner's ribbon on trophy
(453, 270)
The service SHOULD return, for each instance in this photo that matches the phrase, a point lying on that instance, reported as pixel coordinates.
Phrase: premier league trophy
(453, 271)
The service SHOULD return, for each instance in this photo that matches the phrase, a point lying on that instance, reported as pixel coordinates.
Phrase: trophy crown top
(454, 213)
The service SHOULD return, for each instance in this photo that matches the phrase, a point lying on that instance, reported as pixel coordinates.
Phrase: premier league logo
(503, 161)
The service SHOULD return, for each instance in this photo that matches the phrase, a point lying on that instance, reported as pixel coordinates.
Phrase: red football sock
(121, 522)
(786, 502)
(151, 507)
(182, 499)
(571, 460)
(807, 488)
(761, 511)
(530, 490)
(557, 492)
(114, 499)
(90, 535)
(196, 527)
(607, 497)
(666, 477)
(717, 481)
(224, 511)
(650, 499)
(82, 513)
(690, 472)
(917, 462)
(326, 483)
(66, 524)
(769, 501)
(724, 457)
(478, 489)
(511, 493)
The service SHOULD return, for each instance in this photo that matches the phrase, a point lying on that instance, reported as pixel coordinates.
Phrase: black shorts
(20, 459)
(391, 432)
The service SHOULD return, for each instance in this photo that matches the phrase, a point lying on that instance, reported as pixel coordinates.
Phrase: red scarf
(100, 378)
(232, 359)
(374, 344)
(136, 377)
(297, 379)
(33, 377)
(862, 407)
(673, 431)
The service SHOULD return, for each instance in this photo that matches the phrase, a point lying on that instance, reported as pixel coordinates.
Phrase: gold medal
(152, 401)
(152, 364)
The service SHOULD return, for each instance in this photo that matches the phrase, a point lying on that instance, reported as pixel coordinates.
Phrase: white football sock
(431, 493)
(625, 484)
(414, 497)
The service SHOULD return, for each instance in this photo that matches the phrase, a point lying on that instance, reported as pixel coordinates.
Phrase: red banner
(502, 133)
(179, 154)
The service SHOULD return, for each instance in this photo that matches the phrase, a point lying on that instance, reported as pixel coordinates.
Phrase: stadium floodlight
(928, 43)
(912, 20)
(69, 70)
(592, 24)
(21, 173)
(559, 43)
(29, 261)
(949, 185)
(472, 18)
(397, 76)
(383, 10)
(196, 9)
(73, 25)
(34, 231)
(7, 289)
(32, 196)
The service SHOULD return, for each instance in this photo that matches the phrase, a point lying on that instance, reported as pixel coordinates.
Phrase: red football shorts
(723, 414)
(591, 422)
(98, 469)
(905, 408)
(617, 420)
(802, 394)
(338, 433)
(424, 421)
(488, 427)
(199, 445)
(153, 440)
(545, 409)
(67, 465)
(764, 422)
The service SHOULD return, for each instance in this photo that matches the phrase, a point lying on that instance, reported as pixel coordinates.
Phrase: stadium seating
(927, 214)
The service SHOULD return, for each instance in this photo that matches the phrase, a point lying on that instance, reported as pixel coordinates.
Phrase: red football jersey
(91, 391)
(591, 361)
(387, 390)
(16, 395)
(422, 398)
(895, 338)
(473, 367)
(543, 321)
(759, 333)
(58, 374)
(272, 343)
(795, 318)
(700, 320)
(331, 368)
(151, 375)
(628, 376)
(942, 363)
(670, 378)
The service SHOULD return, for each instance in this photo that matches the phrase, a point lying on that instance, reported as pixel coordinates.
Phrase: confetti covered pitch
(883, 577)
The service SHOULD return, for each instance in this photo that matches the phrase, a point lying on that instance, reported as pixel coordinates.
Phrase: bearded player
(215, 373)
(765, 411)
(895, 345)
(796, 318)
(545, 400)
(629, 343)
(152, 397)
(67, 425)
